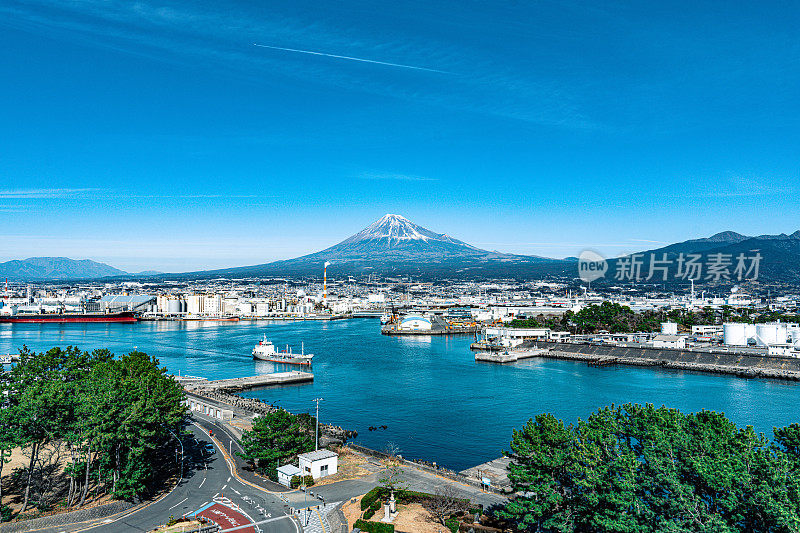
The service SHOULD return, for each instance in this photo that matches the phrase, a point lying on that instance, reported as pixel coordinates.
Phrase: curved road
(209, 486)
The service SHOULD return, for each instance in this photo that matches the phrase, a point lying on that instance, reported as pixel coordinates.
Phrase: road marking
(236, 491)
(256, 523)
(201, 484)
(232, 466)
(225, 486)
(229, 479)
(321, 523)
(177, 504)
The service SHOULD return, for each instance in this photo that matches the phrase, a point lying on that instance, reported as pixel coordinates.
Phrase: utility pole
(316, 424)
(325, 282)
(179, 442)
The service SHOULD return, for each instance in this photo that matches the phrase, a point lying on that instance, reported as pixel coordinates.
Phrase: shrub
(369, 513)
(308, 480)
(373, 527)
(370, 497)
(5, 513)
(452, 524)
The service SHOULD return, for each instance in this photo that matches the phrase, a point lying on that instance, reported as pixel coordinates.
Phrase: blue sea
(436, 402)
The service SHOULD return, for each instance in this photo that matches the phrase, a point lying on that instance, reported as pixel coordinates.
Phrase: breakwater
(741, 365)
(509, 356)
(254, 406)
(251, 382)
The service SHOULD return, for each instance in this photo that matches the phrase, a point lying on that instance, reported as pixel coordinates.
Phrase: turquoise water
(436, 402)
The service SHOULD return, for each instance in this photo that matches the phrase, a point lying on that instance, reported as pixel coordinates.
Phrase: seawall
(742, 365)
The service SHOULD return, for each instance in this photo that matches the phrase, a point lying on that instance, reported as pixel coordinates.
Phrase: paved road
(209, 486)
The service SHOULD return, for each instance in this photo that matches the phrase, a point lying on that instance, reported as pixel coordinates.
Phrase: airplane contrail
(313, 53)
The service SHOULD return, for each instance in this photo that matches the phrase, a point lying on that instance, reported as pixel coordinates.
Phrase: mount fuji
(393, 245)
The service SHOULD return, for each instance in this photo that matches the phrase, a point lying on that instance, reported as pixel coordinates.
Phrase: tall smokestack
(325, 282)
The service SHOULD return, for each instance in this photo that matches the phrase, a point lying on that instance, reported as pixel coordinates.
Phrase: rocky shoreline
(259, 407)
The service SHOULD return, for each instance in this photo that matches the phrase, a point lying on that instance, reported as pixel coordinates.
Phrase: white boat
(385, 319)
(265, 351)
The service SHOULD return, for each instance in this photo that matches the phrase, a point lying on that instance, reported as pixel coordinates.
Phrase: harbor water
(426, 395)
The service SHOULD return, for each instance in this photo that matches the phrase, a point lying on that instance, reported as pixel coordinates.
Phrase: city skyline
(157, 136)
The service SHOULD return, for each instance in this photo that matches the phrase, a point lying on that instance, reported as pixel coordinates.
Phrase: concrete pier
(510, 356)
(252, 382)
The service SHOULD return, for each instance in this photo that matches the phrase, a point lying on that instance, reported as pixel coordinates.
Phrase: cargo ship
(125, 317)
(265, 351)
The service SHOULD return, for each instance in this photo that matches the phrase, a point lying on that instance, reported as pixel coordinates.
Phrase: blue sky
(155, 135)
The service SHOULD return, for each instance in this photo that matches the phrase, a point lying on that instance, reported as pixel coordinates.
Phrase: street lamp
(179, 442)
(316, 424)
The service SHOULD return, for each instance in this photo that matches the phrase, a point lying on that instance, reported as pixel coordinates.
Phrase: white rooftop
(289, 470)
(317, 455)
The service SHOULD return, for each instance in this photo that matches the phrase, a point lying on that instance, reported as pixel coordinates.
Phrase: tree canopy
(115, 416)
(647, 469)
(276, 439)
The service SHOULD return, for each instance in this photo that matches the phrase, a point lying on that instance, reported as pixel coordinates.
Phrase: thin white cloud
(350, 58)
(21, 194)
(396, 177)
(192, 35)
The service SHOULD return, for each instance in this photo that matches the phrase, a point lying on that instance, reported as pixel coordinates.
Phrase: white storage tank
(669, 328)
(795, 335)
(173, 306)
(734, 334)
(767, 334)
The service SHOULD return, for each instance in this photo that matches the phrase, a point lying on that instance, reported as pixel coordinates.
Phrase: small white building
(705, 329)
(785, 349)
(670, 341)
(286, 473)
(318, 464)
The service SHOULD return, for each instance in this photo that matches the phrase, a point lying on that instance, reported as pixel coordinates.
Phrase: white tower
(325, 282)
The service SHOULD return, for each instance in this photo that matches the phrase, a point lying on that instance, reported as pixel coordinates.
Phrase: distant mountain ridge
(780, 254)
(56, 268)
(393, 245)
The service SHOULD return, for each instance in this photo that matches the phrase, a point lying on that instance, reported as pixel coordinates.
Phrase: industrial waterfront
(436, 401)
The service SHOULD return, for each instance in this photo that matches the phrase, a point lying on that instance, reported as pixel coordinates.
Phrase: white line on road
(225, 487)
(229, 479)
(201, 483)
(177, 504)
(236, 491)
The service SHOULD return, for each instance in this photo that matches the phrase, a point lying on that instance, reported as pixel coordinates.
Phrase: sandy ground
(415, 518)
(351, 466)
(21, 459)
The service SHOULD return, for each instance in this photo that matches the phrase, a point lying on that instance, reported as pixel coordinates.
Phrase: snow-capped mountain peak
(395, 229)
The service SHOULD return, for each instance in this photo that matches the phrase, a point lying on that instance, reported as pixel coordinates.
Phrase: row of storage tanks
(770, 334)
(172, 305)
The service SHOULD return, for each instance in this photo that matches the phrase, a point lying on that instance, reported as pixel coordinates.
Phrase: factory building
(140, 303)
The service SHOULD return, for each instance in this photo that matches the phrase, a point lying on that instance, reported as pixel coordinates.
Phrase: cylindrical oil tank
(795, 333)
(767, 334)
(734, 334)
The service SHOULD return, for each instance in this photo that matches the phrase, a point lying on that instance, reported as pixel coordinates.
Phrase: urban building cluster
(419, 307)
